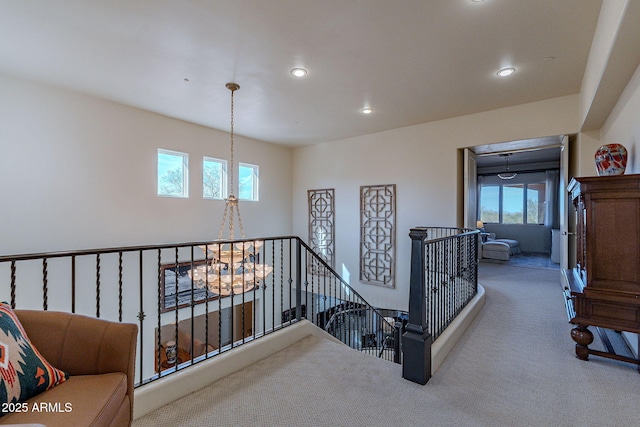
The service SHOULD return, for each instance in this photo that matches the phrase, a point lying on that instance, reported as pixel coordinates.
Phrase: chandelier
(231, 268)
(507, 174)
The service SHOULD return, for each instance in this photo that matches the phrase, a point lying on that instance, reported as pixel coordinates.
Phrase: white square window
(214, 178)
(173, 174)
(248, 182)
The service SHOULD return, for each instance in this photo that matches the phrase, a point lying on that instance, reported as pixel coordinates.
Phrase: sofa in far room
(499, 249)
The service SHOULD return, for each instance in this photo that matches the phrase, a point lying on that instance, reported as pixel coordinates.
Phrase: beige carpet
(514, 367)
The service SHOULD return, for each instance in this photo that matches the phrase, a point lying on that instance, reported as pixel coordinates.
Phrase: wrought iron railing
(150, 285)
(444, 279)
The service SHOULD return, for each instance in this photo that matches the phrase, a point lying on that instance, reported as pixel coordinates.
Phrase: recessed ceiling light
(299, 72)
(506, 72)
(367, 110)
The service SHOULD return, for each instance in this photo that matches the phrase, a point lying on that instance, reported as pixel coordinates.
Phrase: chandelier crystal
(231, 268)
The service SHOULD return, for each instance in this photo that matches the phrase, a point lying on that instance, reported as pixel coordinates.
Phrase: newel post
(416, 341)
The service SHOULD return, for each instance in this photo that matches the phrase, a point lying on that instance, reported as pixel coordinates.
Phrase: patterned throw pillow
(24, 372)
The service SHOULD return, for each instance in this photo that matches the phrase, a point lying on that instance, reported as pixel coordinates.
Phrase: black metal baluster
(120, 286)
(264, 289)
(176, 310)
(291, 315)
(273, 289)
(73, 284)
(311, 314)
(452, 261)
(206, 300)
(243, 288)
(13, 284)
(232, 293)
(219, 300)
(98, 285)
(441, 285)
(193, 304)
(281, 278)
(141, 314)
(256, 285)
(45, 285)
(159, 343)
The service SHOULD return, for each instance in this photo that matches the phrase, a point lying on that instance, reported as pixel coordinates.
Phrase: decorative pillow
(24, 372)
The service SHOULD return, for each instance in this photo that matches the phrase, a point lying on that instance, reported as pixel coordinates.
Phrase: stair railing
(150, 285)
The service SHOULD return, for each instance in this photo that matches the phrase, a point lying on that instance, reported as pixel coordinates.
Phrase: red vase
(611, 159)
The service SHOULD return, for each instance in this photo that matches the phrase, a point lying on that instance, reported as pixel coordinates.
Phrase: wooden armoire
(603, 290)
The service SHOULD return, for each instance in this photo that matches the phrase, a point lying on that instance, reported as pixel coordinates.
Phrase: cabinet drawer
(608, 314)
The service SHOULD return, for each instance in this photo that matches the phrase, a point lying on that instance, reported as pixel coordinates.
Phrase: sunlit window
(490, 204)
(512, 204)
(214, 178)
(248, 182)
(536, 195)
(173, 173)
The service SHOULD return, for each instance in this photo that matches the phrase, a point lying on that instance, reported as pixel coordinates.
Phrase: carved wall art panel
(322, 228)
(378, 234)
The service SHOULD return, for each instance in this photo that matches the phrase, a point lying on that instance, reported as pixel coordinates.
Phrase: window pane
(172, 174)
(512, 204)
(248, 182)
(214, 178)
(489, 203)
(536, 203)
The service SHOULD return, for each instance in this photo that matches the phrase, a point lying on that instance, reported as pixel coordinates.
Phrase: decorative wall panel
(378, 234)
(322, 228)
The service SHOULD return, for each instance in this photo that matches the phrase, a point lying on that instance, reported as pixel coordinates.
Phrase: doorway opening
(515, 191)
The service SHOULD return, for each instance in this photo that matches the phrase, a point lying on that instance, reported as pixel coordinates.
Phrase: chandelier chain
(231, 205)
(231, 182)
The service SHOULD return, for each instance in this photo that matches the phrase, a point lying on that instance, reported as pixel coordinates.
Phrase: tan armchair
(100, 358)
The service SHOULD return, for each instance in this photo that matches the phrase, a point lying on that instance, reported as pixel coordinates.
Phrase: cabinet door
(612, 242)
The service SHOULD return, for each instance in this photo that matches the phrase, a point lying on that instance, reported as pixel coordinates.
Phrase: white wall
(623, 126)
(80, 172)
(424, 163)
(604, 39)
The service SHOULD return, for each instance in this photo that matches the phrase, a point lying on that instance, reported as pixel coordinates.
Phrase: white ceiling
(412, 61)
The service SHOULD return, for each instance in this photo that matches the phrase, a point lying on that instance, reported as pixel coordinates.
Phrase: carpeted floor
(515, 366)
(528, 260)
